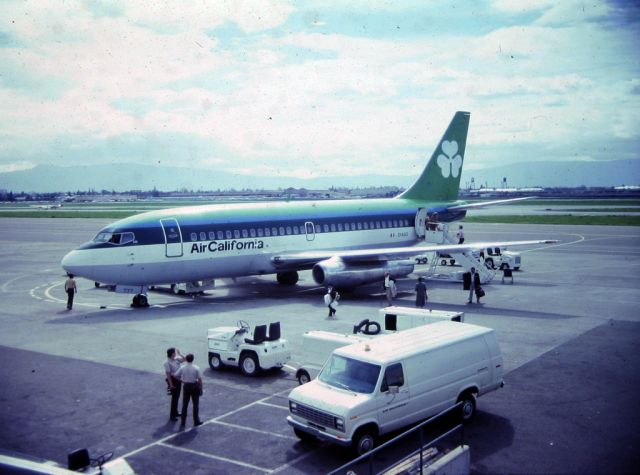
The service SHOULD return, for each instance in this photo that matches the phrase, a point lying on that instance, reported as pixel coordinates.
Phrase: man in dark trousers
(71, 288)
(191, 378)
(171, 367)
(472, 280)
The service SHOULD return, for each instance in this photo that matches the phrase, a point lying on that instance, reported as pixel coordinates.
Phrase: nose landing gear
(140, 301)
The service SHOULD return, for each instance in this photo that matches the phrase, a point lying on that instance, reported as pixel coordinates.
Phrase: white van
(319, 344)
(370, 388)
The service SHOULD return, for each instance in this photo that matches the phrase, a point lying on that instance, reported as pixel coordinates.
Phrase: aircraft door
(310, 230)
(172, 237)
(421, 222)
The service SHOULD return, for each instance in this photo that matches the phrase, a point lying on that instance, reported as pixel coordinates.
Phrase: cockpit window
(117, 239)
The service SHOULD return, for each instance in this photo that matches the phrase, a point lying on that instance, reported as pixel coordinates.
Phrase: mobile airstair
(439, 234)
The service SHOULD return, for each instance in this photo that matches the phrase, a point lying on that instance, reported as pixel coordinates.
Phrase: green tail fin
(440, 179)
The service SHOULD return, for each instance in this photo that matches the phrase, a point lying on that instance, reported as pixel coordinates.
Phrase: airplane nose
(74, 263)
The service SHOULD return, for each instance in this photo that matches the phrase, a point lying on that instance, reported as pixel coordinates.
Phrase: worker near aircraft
(71, 288)
(171, 367)
(460, 235)
(191, 377)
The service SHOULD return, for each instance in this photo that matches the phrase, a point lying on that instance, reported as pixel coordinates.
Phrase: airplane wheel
(96, 284)
(249, 364)
(288, 278)
(140, 300)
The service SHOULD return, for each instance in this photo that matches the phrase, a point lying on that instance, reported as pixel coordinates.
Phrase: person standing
(460, 235)
(171, 367)
(472, 286)
(475, 286)
(331, 299)
(191, 378)
(388, 288)
(71, 288)
(421, 293)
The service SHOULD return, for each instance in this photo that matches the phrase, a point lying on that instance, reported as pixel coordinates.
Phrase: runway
(92, 377)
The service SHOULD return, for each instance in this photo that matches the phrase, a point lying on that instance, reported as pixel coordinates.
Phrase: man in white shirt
(460, 235)
(191, 378)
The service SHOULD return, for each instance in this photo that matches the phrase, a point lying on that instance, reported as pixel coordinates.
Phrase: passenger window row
(298, 229)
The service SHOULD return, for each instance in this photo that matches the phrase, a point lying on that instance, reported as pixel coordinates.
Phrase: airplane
(345, 243)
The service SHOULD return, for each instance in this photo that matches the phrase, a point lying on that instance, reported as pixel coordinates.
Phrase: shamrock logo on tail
(449, 162)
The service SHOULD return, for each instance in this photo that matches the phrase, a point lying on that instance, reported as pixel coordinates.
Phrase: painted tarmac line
(273, 405)
(251, 429)
(296, 460)
(5, 286)
(551, 246)
(216, 457)
(210, 421)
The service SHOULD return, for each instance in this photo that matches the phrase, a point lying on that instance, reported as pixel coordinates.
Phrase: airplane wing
(309, 258)
(486, 203)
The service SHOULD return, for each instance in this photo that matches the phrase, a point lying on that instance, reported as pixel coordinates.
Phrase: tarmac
(92, 377)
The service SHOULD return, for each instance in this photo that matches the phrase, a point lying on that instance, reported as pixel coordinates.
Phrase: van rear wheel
(364, 441)
(468, 408)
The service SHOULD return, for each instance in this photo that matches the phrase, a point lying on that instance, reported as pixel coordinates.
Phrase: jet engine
(337, 273)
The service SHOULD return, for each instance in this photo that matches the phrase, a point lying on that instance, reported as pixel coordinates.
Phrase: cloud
(308, 89)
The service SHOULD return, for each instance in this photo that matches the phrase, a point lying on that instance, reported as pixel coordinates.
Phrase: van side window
(393, 376)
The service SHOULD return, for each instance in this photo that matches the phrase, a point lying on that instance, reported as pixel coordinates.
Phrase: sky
(315, 88)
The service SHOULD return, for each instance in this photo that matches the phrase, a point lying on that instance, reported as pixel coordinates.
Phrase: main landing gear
(140, 301)
(288, 278)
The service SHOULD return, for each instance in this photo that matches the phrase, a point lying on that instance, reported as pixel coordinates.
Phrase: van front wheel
(364, 441)
(468, 408)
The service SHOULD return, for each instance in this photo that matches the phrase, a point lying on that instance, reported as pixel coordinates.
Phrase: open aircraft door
(421, 222)
(172, 237)
(310, 230)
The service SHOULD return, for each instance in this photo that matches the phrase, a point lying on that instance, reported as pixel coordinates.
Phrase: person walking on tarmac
(71, 289)
(421, 293)
(191, 378)
(171, 367)
(475, 286)
(331, 300)
(388, 288)
(460, 235)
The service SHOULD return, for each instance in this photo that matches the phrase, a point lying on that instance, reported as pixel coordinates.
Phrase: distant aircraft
(54, 206)
(346, 243)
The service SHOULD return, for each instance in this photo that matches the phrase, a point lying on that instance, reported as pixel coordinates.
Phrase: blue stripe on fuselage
(148, 232)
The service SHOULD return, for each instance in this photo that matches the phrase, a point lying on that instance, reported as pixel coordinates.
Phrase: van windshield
(347, 373)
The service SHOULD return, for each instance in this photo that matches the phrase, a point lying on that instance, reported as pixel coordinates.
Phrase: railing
(348, 468)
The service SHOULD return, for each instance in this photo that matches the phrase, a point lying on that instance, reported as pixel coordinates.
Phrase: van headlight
(339, 423)
(293, 407)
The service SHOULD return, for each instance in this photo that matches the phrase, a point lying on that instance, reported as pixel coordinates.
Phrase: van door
(172, 237)
(393, 399)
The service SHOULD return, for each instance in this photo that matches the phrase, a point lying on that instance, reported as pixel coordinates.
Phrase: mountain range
(121, 177)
